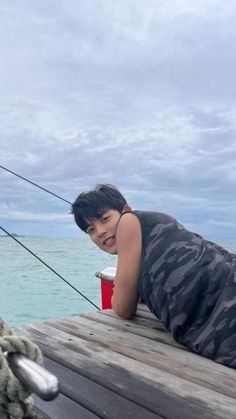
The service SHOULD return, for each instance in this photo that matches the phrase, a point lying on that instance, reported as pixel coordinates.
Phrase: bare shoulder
(128, 221)
(128, 234)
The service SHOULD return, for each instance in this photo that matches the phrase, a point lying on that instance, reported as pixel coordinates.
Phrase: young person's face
(102, 231)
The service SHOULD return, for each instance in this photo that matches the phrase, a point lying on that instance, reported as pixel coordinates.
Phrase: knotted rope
(15, 400)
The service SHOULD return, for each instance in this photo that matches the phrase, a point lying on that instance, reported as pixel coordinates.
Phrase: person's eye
(105, 218)
(90, 230)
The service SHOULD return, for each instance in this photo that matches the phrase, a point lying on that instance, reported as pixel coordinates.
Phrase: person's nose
(101, 229)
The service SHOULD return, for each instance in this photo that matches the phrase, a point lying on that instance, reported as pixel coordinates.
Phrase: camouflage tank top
(190, 284)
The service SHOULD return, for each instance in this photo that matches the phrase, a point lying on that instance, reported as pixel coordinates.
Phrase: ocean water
(31, 293)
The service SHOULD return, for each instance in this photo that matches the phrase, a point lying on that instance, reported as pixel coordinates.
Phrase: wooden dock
(113, 368)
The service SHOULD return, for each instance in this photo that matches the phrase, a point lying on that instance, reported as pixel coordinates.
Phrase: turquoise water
(31, 293)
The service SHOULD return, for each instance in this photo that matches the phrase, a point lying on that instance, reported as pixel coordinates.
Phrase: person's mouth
(109, 241)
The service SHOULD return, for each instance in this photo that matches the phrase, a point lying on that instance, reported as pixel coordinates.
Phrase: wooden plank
(143, 307)
(134, 327)
(63, 408)
(141, 318)
(95, 397)
(111, 377)
(141, 383)
(186, 365)
(177, 408)
(143, 310)
(39, 413)
(146, 315)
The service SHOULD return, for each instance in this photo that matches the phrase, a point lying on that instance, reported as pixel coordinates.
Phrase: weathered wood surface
(111, 368)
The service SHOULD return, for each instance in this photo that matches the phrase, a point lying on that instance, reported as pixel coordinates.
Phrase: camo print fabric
(190, 284)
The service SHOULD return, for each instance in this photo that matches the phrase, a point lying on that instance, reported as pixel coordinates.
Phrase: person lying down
(189, 283)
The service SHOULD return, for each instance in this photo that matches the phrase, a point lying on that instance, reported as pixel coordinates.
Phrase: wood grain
(105, 364)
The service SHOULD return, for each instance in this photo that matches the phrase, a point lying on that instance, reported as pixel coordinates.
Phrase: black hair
(92, 204)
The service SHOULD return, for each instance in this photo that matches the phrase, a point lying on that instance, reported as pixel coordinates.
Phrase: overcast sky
(140, 94)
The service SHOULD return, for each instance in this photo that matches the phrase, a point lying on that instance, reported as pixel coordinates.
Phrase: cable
(44, 263)
(26, 248)
(35, 184)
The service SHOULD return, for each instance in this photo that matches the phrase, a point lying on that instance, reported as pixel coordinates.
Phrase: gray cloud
(137, 94)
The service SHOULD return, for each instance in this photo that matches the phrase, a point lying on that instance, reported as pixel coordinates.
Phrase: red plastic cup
(107, 277)
(106, 293)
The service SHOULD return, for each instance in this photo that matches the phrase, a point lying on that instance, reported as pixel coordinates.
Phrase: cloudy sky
(140, 94)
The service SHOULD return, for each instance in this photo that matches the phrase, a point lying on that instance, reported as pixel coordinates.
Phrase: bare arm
(129, 249)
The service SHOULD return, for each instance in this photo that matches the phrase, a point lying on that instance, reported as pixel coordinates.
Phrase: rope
(15, 399)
